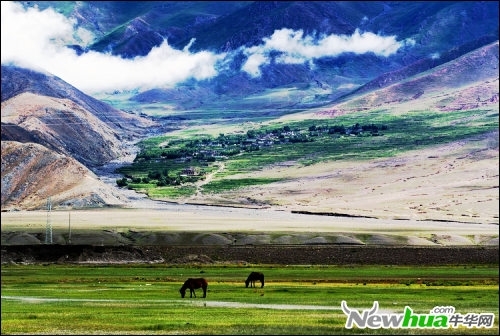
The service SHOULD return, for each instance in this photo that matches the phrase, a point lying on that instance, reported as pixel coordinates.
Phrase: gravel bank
(263, 254)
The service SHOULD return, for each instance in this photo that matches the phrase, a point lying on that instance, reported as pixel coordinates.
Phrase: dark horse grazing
(192, 284)
(254, 276)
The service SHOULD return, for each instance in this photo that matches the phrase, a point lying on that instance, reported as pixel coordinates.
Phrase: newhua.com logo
(438, 318)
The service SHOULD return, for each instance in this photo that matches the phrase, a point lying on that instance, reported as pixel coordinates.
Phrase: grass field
(145, 299)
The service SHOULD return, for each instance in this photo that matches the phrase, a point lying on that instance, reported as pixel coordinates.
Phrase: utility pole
(48, 229)
(69, 224)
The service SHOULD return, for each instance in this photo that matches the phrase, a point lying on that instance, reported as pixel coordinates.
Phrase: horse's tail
(204, 286)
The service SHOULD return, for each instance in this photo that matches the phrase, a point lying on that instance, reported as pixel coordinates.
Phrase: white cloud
(37, 39)
(27, 32)
(435, 55)
(295, 48)
(253, 63)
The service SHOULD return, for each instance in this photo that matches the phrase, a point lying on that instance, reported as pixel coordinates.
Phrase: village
(188, 161)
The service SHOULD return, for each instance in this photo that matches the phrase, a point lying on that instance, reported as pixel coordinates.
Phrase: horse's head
(247, 282)
(182, 291)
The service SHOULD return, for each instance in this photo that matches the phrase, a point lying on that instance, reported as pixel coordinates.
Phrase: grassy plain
(145, 299)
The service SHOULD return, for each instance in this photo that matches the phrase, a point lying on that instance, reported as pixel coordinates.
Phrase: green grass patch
(145, 299)
(171, 192)
(229, 184)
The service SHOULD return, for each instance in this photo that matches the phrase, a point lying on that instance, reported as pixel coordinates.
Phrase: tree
(122, 182)
(155, 175)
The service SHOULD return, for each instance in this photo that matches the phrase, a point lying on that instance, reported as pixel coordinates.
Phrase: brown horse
(192, 284)
(254, 276)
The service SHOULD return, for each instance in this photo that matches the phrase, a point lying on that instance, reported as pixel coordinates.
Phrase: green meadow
(145, 299)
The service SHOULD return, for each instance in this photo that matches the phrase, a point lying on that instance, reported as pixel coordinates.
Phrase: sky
(38, 40)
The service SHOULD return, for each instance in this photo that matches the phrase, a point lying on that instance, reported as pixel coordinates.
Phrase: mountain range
(55, 136)
(426, 34)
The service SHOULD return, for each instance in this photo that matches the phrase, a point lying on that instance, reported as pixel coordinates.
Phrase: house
(190, 171)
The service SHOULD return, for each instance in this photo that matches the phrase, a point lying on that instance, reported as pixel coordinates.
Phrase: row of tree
(208, 148)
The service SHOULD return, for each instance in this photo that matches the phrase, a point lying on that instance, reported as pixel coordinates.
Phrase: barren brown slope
(63, 126)
(16, 81)
(32, 173)
(75, 132)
